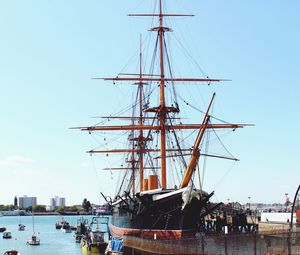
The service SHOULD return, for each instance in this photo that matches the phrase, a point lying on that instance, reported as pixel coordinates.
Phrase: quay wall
(272, 243)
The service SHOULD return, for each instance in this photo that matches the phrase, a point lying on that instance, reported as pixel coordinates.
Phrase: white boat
(7, 235)
(34, 240)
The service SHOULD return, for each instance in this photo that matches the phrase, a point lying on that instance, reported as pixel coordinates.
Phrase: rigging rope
(222, 144)
(226, 173)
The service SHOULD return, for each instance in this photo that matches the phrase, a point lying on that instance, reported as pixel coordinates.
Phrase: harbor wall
(219, 244)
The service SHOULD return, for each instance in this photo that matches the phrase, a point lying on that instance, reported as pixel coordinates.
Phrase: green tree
(39, 208)
(73, 208)
(86, 205)
(60, 209)
(6, 207)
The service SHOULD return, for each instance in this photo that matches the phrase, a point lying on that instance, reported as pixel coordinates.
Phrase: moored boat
(34, 240)
(60, 223)
(81, 229)
(94, 240)
(2, 229)
(94, 243)
(11, 252)
(66, 227)
(21, 227)
(7, 235)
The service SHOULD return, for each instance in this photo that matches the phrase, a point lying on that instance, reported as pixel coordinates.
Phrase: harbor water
(58, 242)
(53, 241)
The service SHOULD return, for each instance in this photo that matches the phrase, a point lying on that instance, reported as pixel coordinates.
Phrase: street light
(286, 200)
(249, 202)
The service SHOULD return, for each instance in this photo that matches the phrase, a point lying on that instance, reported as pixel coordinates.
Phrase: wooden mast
(141, 137)
(132, 161)
(196, 153)
(162, 107)
(162, 110)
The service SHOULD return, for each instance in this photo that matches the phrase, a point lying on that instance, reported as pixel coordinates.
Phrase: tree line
(85, 206)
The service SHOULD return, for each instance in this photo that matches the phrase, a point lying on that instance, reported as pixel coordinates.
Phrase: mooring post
(202, 244)
(225, 244)
(289, 243)
(255, 242)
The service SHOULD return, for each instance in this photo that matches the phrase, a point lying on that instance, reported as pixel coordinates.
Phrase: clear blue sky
(49, 50)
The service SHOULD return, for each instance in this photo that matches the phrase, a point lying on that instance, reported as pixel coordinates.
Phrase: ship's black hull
(162, 212)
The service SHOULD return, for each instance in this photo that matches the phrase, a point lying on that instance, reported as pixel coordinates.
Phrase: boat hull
(12, 252)
(94, 248)
(161, 216)
(147, 233)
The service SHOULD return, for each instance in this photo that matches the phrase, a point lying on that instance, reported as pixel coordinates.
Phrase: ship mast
(133, 159)
(141, 138)
(162, 107)
(162, 110)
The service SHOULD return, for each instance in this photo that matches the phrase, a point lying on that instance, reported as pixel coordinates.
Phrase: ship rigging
(149, 201)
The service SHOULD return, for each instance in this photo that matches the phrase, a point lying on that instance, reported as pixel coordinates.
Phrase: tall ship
(160, 194)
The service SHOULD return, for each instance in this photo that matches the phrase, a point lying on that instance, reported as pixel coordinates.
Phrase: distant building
(25, 202)
(62, 201)
(15, 202)
(57, 201)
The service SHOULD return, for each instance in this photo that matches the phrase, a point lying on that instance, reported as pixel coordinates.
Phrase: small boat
(11, 252)
(7, 235)
(73, 228)
(81, 229)
(2, 229)
(21, 227)
(94, 240)
(34, 240)
(66, 227)
(60, 223)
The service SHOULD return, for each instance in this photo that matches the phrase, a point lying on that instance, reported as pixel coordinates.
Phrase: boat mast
(141, 138)
(132, 161)
(162, 106)
(162, 110)
(196, 152)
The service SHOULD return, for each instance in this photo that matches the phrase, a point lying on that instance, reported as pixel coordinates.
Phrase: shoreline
(7, 213)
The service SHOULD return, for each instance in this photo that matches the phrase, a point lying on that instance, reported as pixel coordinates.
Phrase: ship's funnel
(152, 182)
(145, 184)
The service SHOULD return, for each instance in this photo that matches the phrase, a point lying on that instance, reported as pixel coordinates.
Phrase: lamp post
(286, 200)
(249, 202)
